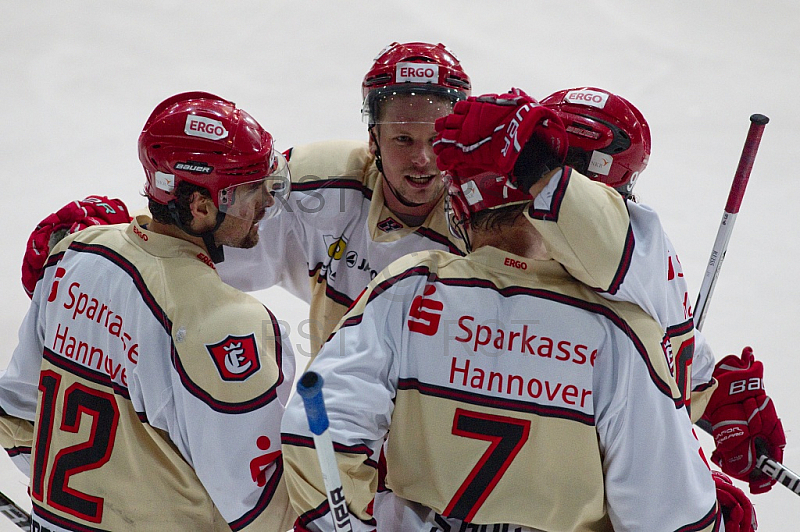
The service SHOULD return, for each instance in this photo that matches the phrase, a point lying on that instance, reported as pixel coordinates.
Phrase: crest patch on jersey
(236, 357)
(389, 224)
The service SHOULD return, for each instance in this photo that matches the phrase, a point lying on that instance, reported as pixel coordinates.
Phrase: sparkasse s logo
(207, 128)
(425, 314)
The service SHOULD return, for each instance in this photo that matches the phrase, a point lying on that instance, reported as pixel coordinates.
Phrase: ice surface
(78, 80)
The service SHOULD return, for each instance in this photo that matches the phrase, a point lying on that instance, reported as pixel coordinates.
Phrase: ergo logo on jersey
(417, 72)
(514, 263)
(207, 128)
(587, 97)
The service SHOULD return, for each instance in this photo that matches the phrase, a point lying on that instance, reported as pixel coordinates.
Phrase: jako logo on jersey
(514, 263)
(587, 97)
(420, 320)
(208, 128)
(417, 72)
(54, 289)
(236, 357)
(195, 168)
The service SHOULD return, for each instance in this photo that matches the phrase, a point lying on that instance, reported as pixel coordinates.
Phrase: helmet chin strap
(379, 165)
(215, 252)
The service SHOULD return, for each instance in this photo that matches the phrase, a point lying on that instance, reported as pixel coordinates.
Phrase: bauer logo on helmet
(417, 73)
(207, 128)
(195, 168)
(587, 97)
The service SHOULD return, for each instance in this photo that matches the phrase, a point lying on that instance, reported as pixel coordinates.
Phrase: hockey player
(609, 141)
(145, 393)
(516, 398)
(357, 206)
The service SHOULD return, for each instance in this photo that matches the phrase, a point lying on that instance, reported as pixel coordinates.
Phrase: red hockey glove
(489, 133)
(76, 215)
(743, 420)
(737, 510)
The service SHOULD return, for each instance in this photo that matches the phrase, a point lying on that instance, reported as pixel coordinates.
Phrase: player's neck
(411, 215)
(521, 239)
(175, 232)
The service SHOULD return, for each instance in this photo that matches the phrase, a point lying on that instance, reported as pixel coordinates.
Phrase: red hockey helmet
(413, 68)
(468, 195)
(609, 139)
(205, 140)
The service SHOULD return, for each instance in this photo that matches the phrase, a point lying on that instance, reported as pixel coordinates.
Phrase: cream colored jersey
(513, 397)
(154, 391)
(333, 236)
(620, 248)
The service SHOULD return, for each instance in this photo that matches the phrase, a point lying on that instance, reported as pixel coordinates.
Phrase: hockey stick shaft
(14, 512)
(757, 124)
(765, 464)
(310, 389)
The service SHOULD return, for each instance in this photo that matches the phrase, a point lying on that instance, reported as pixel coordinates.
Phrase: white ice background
(79, 78)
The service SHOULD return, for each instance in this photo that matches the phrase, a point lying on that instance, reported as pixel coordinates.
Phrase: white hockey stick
(765, 464)
(13, 511)
(310, 389)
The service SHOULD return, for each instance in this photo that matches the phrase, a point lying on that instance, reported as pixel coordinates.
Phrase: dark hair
(493, 219)
(183, 196)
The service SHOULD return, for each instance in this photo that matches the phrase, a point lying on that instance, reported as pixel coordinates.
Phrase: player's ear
(204, 213)
(373, 140)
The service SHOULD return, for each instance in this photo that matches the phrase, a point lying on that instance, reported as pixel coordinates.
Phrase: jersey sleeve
(650, 452)
(278, 259)
(19, 384)
(620, 249)
(356, 365)
(586, 228)
(232, 380)
(282, 256)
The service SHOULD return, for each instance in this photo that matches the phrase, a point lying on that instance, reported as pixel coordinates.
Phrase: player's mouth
(420, 181)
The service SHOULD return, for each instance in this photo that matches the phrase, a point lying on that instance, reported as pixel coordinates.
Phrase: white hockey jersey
(620, 248)
(514, 398)
(333, 236)
(160, 391)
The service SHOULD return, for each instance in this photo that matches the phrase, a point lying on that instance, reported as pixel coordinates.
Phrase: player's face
(241, 230)
(405, 138)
